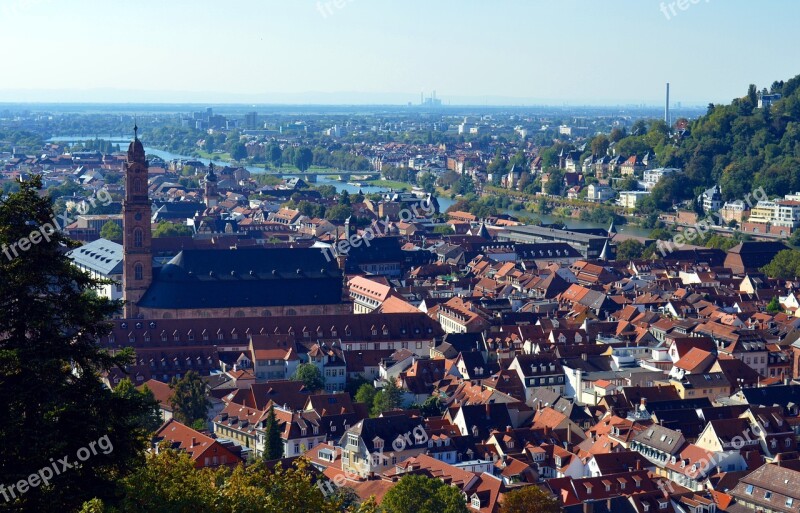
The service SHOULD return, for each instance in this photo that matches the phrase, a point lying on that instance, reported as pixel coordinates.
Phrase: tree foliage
(169, 483)
(629, 249)
(166, 229)
(189, 400)
(273, 443)
(310, 375)
(422, 494)
(366, 394)
(785, 265)
(111, 231)
(388, 398)
(529, 499)
(50, 366)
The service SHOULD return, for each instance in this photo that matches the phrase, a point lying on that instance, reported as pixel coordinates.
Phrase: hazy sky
(388, 51)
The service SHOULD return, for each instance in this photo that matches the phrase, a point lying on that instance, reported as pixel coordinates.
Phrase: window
(138, 271)
(749, 490)
(663, 505)
(789, 502)
(137, 237)
(767, 495)
(476, 502)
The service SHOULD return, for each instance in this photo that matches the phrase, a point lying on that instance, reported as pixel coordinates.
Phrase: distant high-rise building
(251, 120)
(666, 107)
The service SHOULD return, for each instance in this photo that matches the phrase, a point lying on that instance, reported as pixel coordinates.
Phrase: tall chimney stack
(666, 108)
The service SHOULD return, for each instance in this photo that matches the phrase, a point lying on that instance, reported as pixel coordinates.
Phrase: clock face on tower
(138, 216)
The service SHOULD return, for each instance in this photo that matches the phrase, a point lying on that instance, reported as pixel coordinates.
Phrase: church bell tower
(137, 255)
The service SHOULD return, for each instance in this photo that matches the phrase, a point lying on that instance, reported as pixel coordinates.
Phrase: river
(444, 202)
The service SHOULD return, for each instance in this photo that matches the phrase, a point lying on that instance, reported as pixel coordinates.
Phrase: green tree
(427, 181)
(422, 494)
(629, 183)
(111, 231)
(529, 499)
(273, 443)
(50, 366)
(794, 239)
(432, 407)
(169, 483)
(188, 399)
(310, 375)
(338, 213)
(785, 265)
(629, 249)
(275, 155)
(165, 229)
(149, 418)
(303, 158)
(555, 182)
(443, 229)
(366, 394)
(238, 151)
(774, 306)
(388, 398)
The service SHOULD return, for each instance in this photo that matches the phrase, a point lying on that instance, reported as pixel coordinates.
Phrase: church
(217, 283)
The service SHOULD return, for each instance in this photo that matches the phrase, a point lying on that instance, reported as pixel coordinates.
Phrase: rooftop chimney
(588, 507)
(194, 441)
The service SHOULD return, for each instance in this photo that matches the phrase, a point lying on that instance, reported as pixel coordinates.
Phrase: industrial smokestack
(666, 108)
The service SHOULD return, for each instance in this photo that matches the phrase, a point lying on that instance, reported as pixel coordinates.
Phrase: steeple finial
(135, 129)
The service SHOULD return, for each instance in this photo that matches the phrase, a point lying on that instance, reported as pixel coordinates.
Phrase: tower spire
(135, 129)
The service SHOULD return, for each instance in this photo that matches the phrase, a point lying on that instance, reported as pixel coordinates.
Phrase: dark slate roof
(175, 210)
(389, 429)
(712, 256)
(245, 278)
(102, 256)
(485, 417)
(546, 250)
(463, 342)
(768, 396)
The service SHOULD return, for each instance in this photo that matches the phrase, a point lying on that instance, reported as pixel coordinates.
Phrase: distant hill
(740, 146)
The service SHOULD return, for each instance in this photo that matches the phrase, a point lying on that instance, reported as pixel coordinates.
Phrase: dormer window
(476, 502)
(303, 431)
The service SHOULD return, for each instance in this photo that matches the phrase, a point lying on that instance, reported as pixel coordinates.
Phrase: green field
(391, 184)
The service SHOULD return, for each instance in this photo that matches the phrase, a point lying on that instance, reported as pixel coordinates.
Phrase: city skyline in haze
(507, 52)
